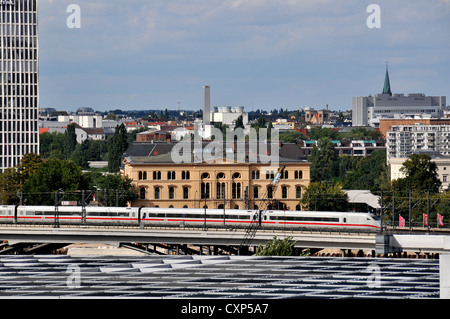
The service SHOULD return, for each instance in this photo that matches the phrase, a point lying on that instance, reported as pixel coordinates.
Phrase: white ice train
(188, 217)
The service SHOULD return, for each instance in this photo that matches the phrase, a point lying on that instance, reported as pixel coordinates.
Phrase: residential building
(87, 121)
(215, 183)
(346, 147)
(404, 140)
(369, 110)
(283, 125)
(19, 81)
(386, 124)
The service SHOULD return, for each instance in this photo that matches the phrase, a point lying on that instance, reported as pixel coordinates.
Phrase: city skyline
(259, 54)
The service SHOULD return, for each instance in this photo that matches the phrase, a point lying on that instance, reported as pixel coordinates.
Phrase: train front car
(322, 221)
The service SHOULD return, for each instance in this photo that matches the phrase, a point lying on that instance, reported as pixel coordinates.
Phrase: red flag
(402, 221)
(441, 221)
(425, 219)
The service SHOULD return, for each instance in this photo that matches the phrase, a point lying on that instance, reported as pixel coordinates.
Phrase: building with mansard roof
(229, 178)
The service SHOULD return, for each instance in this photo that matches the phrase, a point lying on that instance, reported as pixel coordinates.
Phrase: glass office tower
(19, 86)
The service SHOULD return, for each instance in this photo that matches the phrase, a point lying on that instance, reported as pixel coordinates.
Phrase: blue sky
(260, 54)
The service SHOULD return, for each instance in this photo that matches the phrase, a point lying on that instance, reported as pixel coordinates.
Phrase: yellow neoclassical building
(214, 183)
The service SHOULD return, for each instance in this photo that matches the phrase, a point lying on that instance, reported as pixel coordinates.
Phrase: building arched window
(185, 175)
(255, 192)
(185, 192)
(284, 192)
(157, 192)
(269, 192)
(236, 190)
(171, 192)
(170, 175)
(204, 190)
(298, 175)
(142, 193)
(220, 190)
(298, 192)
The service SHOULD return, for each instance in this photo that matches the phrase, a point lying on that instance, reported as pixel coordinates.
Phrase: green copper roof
(387, 85)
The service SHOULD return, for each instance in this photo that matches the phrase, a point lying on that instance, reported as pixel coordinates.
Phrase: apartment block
(404, 140)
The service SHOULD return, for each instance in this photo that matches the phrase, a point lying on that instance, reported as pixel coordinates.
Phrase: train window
(345, 220)
(306, 218)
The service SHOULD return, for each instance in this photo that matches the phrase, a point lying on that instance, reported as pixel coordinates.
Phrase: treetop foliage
(35, 181)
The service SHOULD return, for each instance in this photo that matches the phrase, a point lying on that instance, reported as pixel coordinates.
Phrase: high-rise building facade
(19, 86)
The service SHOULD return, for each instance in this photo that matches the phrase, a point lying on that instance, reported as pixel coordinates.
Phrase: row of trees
(316, 133)
(412, 196)
(65, 146)
(352, 172)
(35, 182)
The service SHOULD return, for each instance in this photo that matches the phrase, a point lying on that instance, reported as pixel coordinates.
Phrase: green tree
(323, 160)
(277, 247)
(316, 133)
(51, 144)
(79, 157)
(117, 145)
(119, 190)
(420, 174)
(28, 166)
(420, 187)
(291, 137)
(10, 186)
(260, 122)
(322, 196)
(12, 179)
(70, 141)
(370, 172)
(361, 133)
(51, 176)
(239, 123)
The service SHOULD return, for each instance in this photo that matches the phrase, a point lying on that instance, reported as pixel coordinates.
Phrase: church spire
(387, 85)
